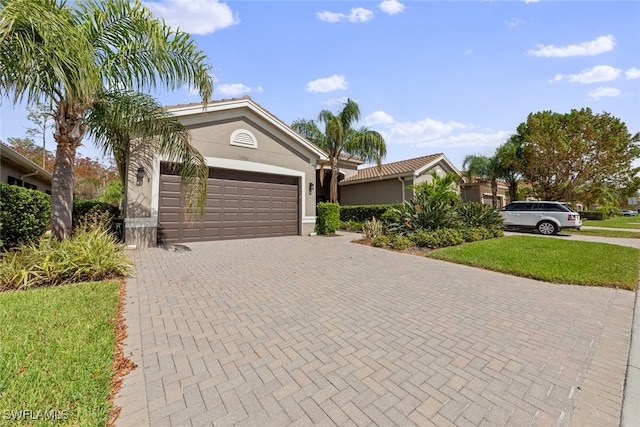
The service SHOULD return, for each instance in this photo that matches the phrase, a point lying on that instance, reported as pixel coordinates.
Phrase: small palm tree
(484, 167)
(69, 54)
(341, 141)
(134, 126)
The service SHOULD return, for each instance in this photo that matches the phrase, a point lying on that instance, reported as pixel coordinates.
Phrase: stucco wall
(8, 168)
(372, 192)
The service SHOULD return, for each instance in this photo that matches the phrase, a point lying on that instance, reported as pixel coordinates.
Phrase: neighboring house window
(14, 181)
(48, 192)
(243, 138)
(30, 186)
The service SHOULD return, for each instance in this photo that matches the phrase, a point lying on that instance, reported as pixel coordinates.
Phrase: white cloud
(468, 52)
(514, 23)
(235, 89)
(599, 73)
(328, 84)
(632, 73)
(531, 1)
(472, 139)
(194, 16)
(378, 117)
(423, 130)
(600, 45)
(610, 92)
(357, 14)
(338, 101)
(391, 7)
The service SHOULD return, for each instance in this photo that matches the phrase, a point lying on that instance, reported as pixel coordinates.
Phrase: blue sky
(432, 76)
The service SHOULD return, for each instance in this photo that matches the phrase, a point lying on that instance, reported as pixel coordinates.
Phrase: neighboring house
(262, 179)
(390, 183)
(18, 170)
(480, 191)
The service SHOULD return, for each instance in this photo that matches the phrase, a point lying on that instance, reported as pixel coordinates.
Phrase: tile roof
(400, 168)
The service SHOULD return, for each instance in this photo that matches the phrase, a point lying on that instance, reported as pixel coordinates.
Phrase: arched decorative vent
(243, 138)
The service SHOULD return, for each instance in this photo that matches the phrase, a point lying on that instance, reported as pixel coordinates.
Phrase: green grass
(57, 348)
(552, 260)
(615, 222)
(605, 233)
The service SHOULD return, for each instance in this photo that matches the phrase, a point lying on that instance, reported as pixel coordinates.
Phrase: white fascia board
(443, 158)
(195, 110)
(378, 178)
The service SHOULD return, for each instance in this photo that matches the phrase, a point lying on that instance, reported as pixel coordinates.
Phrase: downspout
(401, 179)
(22, 177)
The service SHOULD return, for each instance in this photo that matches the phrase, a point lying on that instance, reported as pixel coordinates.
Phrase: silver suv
(546, 217)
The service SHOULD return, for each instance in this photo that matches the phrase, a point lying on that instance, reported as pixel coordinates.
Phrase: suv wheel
(547, 228)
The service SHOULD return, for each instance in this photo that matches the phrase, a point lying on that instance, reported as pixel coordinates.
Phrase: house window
(11, 180)
(243, 138)
(30, 186)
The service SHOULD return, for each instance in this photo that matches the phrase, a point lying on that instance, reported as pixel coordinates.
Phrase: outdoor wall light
(310, 188)
(140, 175)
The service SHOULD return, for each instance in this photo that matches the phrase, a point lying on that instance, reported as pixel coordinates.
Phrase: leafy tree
(75, 52)
(510, 157)
(576, 156)
(28, 149)
(40, 116)
(341, 141)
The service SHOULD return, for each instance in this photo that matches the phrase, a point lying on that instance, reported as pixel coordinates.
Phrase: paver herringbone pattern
(320, 331)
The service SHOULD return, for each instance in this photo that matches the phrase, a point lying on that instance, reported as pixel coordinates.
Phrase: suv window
(554, 207)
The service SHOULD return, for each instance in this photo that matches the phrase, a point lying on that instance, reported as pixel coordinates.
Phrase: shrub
(88, 255)
(372, 229)
(381, 241)
(328, 218)
(353, 226)
(24, 214)
(400, 242)
(593, 215)
(87, 210)
(473, 214)
(475, 234)
(439, 238)
(364, 212)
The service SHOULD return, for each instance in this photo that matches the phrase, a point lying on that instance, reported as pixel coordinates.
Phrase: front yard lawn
(631, 222)
(605, 233)
(57, 347)
(551, 259)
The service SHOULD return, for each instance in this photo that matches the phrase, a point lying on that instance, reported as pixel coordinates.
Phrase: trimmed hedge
(364, 213)
(594, 215)
(24, 215)
(328, 218)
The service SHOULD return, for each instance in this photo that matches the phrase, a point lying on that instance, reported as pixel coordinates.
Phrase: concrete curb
(631, 400)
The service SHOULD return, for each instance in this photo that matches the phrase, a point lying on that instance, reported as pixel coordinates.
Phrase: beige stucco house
(480, 191)
(391, 182)
(262, 179)
(17, 170)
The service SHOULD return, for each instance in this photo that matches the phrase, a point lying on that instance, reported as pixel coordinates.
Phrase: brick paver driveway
(321, 331)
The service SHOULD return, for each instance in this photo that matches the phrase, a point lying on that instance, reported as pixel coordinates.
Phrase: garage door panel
(238, 205)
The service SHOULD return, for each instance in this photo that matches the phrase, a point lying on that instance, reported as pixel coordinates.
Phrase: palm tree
(341, 141)
(68, 55)
(484, 167)
(119, 118)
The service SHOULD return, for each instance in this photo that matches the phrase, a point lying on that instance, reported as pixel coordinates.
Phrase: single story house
(262, 179)
(391, 182)
(18, 170)
(479, 190)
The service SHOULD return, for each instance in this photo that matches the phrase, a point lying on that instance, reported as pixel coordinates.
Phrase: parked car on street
(544, 216)
(629, 213)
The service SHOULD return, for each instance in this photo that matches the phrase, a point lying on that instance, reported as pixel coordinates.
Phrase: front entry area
(239, 205)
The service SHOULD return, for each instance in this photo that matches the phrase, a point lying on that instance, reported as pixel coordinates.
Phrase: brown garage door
(239, 205)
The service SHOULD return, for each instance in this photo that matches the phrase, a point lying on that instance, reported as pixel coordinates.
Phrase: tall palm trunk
(68, 135)
(494, 193)
(333, 185)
